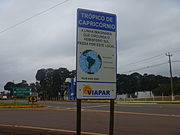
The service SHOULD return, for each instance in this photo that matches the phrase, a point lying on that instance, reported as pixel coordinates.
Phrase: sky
(147, 29)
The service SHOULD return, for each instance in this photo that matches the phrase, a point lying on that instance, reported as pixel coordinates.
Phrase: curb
(82, 101)
(156, 102)
(27, 106)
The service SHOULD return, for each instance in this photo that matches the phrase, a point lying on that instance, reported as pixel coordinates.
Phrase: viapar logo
(87, 90)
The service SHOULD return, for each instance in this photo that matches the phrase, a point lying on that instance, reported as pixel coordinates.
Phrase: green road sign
(21, 92)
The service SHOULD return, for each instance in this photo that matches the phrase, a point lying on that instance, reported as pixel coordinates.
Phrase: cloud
(145, 29)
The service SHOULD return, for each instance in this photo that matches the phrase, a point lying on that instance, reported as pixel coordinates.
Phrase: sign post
(111, 120)
(96, 57)
(78, 117)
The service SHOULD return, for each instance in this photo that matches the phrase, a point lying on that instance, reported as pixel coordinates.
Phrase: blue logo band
(96, 20)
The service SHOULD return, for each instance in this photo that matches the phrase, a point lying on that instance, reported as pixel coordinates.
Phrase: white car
(4, 97)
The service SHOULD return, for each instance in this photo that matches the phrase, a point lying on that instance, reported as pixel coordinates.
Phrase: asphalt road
(130, 119)
(171, 109)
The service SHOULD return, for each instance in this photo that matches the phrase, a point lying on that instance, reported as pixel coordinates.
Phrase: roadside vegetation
(51, 84)
(159, 98)
(14, 104)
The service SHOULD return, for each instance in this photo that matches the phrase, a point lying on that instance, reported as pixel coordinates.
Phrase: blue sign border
(114, 22)
(96, 20)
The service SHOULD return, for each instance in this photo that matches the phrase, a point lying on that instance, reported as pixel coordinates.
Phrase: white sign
(96, 55)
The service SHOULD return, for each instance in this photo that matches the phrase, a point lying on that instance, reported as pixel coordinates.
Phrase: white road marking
(137, 113)
(87, 108)
(50, 129)
(94, 106)
(71, 108)
(134, 106)
(119, 112)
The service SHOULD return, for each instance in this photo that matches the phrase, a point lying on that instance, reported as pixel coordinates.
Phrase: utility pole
(172, 91)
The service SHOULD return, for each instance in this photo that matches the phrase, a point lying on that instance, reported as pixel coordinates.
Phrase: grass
(13, 104)
(165, 98)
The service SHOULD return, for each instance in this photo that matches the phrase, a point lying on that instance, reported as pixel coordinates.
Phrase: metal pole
(171, 79)
(111, 123)
(78, 132)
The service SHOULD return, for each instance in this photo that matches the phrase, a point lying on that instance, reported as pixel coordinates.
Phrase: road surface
(130, 119)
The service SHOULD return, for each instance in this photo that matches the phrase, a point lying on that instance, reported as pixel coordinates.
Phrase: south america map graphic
(90, 61)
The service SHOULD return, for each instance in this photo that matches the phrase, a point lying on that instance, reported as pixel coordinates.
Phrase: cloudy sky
(147, 29)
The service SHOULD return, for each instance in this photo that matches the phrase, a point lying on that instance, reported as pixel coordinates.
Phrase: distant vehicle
(4, 97)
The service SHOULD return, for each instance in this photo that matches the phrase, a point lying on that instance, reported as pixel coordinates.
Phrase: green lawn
(13, 104)
(165, 98)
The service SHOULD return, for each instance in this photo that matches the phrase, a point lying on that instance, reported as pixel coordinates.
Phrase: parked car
(4, 97)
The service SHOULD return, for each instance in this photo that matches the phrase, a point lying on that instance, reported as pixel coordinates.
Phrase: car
(4, 97)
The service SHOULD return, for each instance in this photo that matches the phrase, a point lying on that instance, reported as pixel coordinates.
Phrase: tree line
(129, 84)
(51, 82)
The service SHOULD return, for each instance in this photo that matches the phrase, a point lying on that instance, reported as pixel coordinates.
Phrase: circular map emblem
(90, 61)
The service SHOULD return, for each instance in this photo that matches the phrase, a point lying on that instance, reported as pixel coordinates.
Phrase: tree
(52, 81)
(165, 89)
(122, 83)
(40, 75)
(72, 74)
(59, 77)
(9, 86)
(149, 82)
(177, 87)
(33, 87)
(162, 89)
(135, 82)
(22, 84)
(129, 84)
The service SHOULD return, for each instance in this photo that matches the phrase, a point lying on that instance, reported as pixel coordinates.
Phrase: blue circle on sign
(90, 61)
